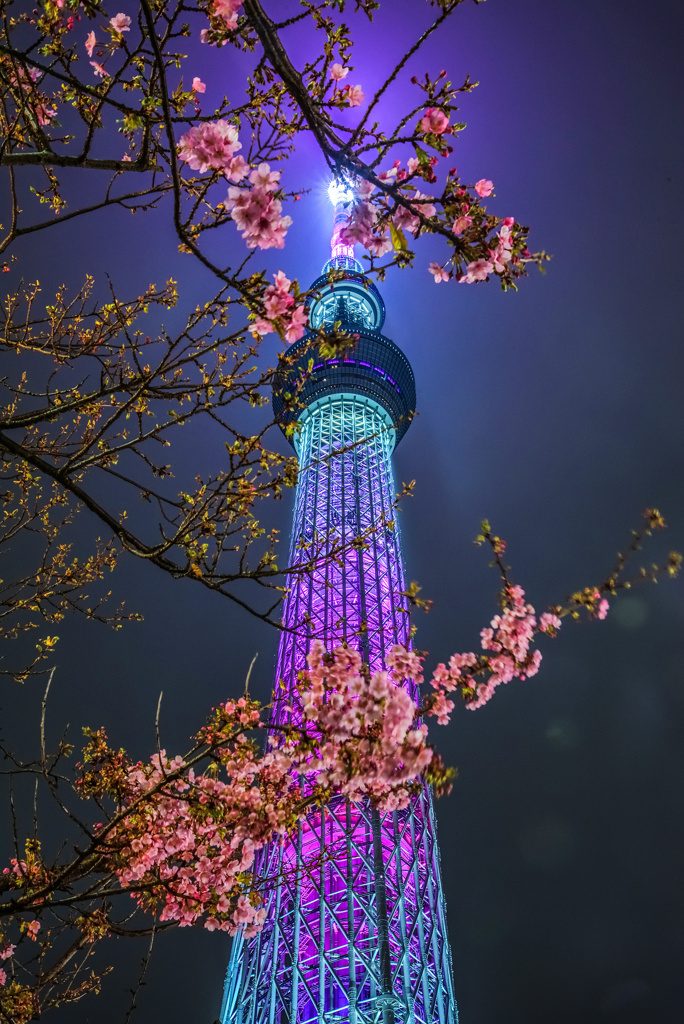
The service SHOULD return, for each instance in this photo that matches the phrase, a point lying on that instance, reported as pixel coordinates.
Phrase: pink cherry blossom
(198, 85)
(549, 623)
(209, 146)
(390, 174)
(434, 121)
(7, 951)
(99, 71)
(362, 223)
(256, 211)
(190, 840)
(354, 95)
(509, 637)
(238, 169)
(278, 303)
(277, 297)
(193, 862)
(90, 43)
(461, 224)
(499, 257)
(120, 23)
(439, 273)
(484, 187)
(32, 929)
(297, 324)
(263, 177)
(408, 218)
(227, 10)
(3, 976)
(478, 270)
(337, 72)
(603, 609)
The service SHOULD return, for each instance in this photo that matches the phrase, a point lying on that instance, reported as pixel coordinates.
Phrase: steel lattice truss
(345, 494)
(355, 928)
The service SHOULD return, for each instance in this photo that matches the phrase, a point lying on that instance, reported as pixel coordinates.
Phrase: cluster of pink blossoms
(227, 11)
(120, 23)
(279, 311)
(256, 210)
(509, 636)
(7, 949)
(5, 953)
(210, 147)
(192, 843)
(434, 121)
(369, 225)
(223, 16)
(498, 256)
(353, 95)
(24, 873)
(364, 225)
(189, 841)
(369, 742)
(26, 81)
(199, 834)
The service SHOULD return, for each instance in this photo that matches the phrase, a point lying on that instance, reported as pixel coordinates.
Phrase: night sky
(557, 413)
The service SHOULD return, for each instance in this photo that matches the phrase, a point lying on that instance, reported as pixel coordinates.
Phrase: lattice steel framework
(355, 929)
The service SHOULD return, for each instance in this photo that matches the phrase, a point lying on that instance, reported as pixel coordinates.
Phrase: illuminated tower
(355, 928)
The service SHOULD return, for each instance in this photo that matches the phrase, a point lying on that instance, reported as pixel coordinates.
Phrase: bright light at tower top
(340, 191)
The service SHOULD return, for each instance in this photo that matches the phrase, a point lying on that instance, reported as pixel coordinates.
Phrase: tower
(355, 929)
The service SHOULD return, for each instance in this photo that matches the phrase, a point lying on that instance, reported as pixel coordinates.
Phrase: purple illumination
(355, 930)
(342, 497)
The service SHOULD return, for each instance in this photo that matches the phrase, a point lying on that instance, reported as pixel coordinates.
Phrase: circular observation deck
(353, 300)
(375, 368)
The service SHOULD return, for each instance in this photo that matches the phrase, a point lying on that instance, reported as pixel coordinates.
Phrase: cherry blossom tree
(89, 91)
(179, 835)
(112, 96)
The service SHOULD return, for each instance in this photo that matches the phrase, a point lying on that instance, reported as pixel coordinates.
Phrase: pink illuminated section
(338, 248)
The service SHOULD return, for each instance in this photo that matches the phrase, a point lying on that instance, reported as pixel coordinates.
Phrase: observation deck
(374, 367)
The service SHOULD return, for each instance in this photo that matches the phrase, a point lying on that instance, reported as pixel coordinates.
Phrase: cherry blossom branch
(447, 10)
(156, 192)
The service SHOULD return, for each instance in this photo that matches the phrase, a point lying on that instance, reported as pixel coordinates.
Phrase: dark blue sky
(556, 412)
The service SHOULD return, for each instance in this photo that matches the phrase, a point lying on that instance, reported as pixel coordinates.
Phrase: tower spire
(341, 194)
